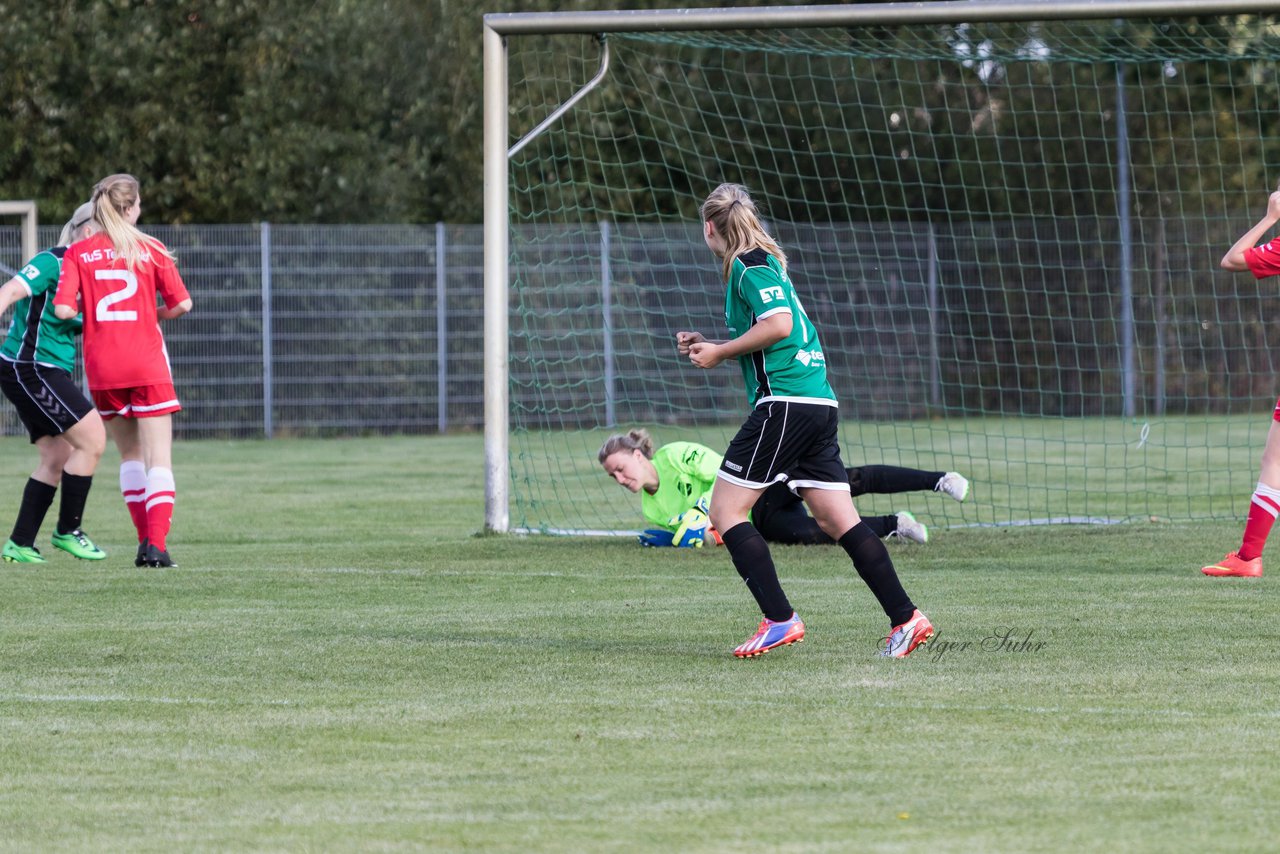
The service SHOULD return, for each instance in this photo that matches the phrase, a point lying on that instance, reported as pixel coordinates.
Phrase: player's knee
(725, 520)
(719, 519)
(834, 525)
(53, 456)
(829, 529)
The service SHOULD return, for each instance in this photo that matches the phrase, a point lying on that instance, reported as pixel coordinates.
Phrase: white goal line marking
(121, 698)
(1015, 523)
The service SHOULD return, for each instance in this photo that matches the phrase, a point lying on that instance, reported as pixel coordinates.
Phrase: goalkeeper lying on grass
(675, 483)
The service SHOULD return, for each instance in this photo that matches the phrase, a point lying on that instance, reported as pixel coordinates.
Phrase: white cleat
(954, 484)
(910, 528)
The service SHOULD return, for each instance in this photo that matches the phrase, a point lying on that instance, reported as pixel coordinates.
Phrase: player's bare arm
(166, 313)
(1234, 259)
(775, 327)
(13, 290)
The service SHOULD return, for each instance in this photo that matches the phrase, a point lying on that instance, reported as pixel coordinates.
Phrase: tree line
(338, 111)
(240, 111)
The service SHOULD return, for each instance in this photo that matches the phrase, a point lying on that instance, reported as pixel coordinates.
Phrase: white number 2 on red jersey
(103, 310)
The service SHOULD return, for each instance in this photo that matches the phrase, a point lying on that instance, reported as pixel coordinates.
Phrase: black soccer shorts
(784, 440)
(48, 400)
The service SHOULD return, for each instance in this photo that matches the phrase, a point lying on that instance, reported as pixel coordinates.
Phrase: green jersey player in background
(792, 433)
(36, 362)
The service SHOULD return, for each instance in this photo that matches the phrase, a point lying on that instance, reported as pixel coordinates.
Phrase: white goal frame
(30, 222)
(497, 140)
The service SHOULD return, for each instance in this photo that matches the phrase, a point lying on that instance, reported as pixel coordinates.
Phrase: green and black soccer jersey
(686, 472)
(36, 334)
(793, 368)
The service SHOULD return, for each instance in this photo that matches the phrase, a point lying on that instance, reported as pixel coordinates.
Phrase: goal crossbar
(948, 11)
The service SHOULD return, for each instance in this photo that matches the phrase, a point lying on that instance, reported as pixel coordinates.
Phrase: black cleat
(141, 559)
(158, 557)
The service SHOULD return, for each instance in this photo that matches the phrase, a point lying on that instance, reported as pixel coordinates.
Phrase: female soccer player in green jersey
(36, 361)
(675, 483)
(791, 433)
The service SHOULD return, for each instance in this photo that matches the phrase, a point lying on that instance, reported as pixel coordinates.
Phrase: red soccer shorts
(144, 401)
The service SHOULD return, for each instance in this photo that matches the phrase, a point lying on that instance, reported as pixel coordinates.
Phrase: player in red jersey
(1264, 506)
(116, 275)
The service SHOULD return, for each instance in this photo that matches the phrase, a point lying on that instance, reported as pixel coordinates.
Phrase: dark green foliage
(240, 111)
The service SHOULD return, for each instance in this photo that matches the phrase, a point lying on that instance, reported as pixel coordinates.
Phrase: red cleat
(906, 637)
(1234, 566)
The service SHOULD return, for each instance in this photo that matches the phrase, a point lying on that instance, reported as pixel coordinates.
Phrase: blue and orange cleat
(771, 635)
(907, 636)
(1235, 566)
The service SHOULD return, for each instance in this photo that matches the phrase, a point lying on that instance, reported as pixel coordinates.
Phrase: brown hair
(637, 439)
(112, 198)
(730, 209)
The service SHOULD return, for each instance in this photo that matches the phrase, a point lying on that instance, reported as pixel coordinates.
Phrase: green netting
(965, 208)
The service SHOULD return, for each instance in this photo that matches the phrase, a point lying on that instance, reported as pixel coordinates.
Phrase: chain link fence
(363, 329)
(319, 330)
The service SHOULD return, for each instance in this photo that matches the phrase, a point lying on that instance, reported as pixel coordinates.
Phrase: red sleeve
(170, 284)
(68, 284)
(1263, 260)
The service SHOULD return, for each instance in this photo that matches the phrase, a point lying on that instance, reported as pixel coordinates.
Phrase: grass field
(340, 663)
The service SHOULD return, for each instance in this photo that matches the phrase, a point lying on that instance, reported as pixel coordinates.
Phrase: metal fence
(319, 330)
(341, 330)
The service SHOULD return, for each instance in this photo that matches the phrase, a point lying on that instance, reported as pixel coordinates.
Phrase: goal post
(497, 224)
(27, 210)
(1006, 215)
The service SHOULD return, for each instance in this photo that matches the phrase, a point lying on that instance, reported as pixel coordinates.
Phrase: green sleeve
(41, 273)
(764, 290)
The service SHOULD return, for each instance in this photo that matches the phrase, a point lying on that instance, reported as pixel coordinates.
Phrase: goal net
(1006, 231)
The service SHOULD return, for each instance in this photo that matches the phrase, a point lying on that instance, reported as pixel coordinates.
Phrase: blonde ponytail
(112, 198)
(730, 209)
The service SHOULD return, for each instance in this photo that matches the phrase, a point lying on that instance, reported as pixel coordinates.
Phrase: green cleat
(14, 553)
(78, 544)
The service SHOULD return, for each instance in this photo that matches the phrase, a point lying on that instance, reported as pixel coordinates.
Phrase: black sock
(883, 480)
(881, 526)
(751, 558)
(36, 498)
(872, 561)
(75, 492)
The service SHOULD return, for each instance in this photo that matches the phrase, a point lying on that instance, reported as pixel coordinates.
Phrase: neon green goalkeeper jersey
(686, 472)
(793, 368)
